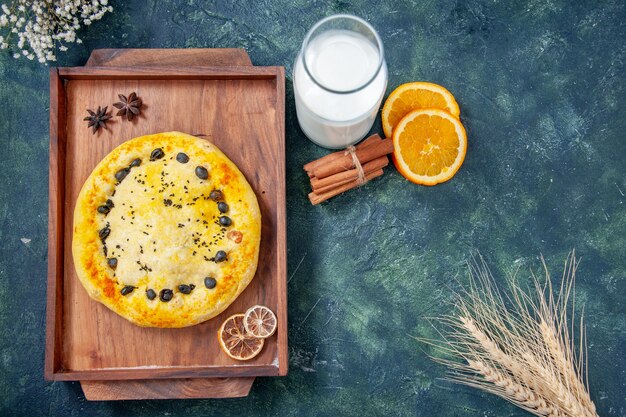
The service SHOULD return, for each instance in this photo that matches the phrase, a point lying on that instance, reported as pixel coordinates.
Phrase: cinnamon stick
(311, 166)
(364, 155)
(332, 181)
(316, 198)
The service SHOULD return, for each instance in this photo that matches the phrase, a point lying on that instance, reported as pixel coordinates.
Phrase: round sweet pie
(166, 231)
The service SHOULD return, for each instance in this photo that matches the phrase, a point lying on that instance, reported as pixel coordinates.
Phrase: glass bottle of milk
(339, 80)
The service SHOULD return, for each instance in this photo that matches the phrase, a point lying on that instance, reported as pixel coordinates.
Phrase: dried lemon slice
(260, 321)
(236, 342)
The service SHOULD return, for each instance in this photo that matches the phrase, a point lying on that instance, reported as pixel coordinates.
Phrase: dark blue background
(541, 90)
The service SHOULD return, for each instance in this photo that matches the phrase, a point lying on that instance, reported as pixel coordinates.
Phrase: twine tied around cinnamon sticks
(360, 180)
(344, 170)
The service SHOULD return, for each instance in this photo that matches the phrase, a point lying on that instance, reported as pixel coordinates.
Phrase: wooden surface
(179, 58)
(242, 111)
(167, 389)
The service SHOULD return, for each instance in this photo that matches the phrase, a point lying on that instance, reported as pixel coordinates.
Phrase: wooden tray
(241, 109)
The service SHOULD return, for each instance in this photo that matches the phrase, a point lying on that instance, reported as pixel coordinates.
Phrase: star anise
(129, 106)
(97, 119)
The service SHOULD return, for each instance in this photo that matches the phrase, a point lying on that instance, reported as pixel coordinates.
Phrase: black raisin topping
(166, 295)
(202, 173)
(112, 262)
(157, 154)
(121, 174)
(220, 256)
(216, 195)
(182, 158)
(127, 290)
(104, 233)
(186, 289)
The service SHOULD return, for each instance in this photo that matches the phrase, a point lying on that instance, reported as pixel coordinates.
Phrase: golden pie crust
(146, 223)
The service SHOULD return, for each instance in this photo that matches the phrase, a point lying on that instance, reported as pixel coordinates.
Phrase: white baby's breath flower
(42, 26)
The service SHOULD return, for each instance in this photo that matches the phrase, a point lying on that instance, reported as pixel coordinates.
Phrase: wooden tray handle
(161, 389)
(169, 57)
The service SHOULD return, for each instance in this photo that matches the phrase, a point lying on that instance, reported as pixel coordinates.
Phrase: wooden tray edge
(164, 373)
(282, 342)
(55, 228)
(167, 73)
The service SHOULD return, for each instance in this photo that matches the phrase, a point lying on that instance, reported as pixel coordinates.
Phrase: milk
(339, 60)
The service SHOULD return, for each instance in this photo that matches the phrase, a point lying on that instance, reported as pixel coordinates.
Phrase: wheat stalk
(511, 389)
(518, 346)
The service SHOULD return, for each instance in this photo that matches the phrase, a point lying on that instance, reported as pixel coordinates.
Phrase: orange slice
(234, 340)
(260, 321)
(413, 96)
(429, 146)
